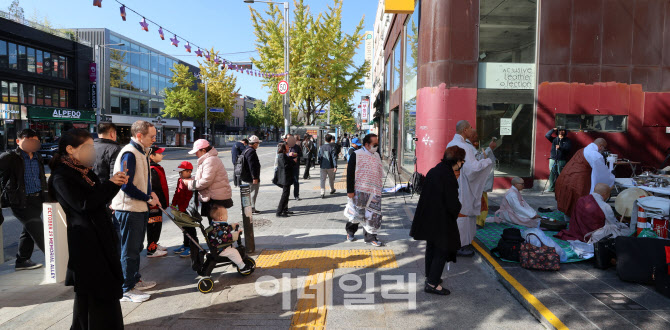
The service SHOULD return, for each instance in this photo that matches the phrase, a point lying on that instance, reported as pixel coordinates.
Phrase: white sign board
(55, 243)
(667, 130)
(505, 126)
(364, 111)
(506, 75)
(369, 43)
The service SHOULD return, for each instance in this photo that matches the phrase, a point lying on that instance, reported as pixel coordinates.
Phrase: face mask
(373, 149)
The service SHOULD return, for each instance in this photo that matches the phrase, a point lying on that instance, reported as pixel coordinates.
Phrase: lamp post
(98, 64)
(286, 105)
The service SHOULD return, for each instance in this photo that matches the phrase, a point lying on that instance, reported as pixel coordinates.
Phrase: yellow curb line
(541, 308)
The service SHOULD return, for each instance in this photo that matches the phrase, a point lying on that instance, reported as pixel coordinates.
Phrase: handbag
(604, 252)
(637, 258)
(539, 258)
(275, 179)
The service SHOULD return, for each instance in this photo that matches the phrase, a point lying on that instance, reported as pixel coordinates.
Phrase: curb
(522, 295)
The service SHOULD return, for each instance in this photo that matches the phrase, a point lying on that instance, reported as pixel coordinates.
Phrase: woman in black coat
(94, 266)
(435, 218)
(285, 167)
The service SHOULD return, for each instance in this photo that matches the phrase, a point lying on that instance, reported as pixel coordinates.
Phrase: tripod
(393, 168)
(554, 171)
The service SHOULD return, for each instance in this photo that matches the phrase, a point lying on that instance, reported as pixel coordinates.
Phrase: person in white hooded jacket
(211, 179)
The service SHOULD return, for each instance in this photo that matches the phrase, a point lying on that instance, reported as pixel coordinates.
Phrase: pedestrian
(131, 207)
(23, 189)
(328, 163)
(160, 187)
(364, 189)
(471, 181)
(94, 266)
(345, 142)
(308, 151)
(296, 151)
(251, 170)
(560, 150)
(106, 152)
(285, 176)
(211, 179)
(355, 145)
(180, 200)
(236, 151)
(435, 218)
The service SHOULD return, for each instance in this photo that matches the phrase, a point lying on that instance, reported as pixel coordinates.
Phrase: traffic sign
(217, 110)
(282, 87)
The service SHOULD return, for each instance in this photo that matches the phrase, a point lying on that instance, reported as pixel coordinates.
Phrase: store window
(63, 98)
(55, 97)
(592, 123)
(410, 73)
(4, 59)
(13, 56)
(39, 61)
(125, 105)
(134, 107)
(23, 58)
(47, 96)
(13, 92)
(115, 104)
(28, 94)
(31, 59)
(506, 84)
(55, 65)
(62, 67)
(5, 91)
(47, 63)
(39, 95)
(144, 107)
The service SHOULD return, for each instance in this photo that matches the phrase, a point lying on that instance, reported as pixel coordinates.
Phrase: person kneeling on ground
(219, 215)
(514, 208)
(591, 213)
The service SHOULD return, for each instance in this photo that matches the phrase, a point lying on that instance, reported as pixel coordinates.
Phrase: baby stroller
(203, 262)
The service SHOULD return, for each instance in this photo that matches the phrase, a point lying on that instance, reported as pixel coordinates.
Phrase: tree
(267, 114)
(221, 89)
(342, 113)
(181, 101)
(321, 61)
(16, 12)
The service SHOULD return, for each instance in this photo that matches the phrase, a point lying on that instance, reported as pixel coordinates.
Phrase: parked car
(48, 150)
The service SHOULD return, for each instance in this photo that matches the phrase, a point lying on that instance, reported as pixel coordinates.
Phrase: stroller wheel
(249, 262)
(205, 285)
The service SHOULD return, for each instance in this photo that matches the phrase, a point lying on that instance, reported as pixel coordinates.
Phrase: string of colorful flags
(144, 25)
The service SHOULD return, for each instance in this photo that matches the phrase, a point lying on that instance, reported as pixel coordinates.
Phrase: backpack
(242, 168)
(509, 245)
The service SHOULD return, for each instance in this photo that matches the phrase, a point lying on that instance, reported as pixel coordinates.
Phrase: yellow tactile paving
(311, 313)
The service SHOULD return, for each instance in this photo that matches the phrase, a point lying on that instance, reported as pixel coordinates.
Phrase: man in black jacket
(237, 150)
(297, 151)
(328, 162)
(560, 149)
(252, 173)
(106, 151)
(24, 187)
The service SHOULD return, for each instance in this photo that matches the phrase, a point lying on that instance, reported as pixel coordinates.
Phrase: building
(518, 68)
(44, 78)
(381, 27)
(133, 79)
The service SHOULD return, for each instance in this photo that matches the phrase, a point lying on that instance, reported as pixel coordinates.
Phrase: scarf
(76, 165)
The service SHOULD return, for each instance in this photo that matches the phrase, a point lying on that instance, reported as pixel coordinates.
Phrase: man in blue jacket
(560, 150)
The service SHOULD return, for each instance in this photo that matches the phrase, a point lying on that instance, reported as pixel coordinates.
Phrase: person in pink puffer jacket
(211, 179)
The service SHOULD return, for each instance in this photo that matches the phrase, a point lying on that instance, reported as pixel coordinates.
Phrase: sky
(222, 24)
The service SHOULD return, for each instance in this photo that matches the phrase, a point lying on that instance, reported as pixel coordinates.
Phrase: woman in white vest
(211, 179)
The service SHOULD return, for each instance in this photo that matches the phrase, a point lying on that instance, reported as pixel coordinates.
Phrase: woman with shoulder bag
(284, 177)
(94, 265)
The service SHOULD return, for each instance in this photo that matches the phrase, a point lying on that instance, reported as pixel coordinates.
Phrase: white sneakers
(141, 285)
(135, 296)
(157, 253)
(160, 247)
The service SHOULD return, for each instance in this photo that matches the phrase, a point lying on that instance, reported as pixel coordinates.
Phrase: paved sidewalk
(316, 235)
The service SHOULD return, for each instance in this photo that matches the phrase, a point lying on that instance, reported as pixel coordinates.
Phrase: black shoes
(433, 289)
(298, 198)
(25, 265)
(465, 252)
(332, 192)
(323, 196)
(254, 211)
(282, 215)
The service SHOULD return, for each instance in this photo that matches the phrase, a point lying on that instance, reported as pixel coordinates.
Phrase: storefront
(11, 116)
(50, 123)
(516, 69)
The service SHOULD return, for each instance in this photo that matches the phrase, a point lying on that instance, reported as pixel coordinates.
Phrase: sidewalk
(314, 238)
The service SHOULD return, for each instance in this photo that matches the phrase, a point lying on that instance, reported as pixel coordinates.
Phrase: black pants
(33, 228)
(95, 313)
(283, 201)
(436, 258)
(296, 182)
(352, 227)
(308, 165)
(154, 231)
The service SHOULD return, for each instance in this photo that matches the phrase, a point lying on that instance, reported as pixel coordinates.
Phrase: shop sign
(94, 95)
(368, 57)
(60, 114)
(505, 126)
(92, 71)
(506, 75)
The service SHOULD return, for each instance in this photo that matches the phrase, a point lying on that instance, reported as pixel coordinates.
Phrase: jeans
(133, 229)
(296, 182)
(330, 172)
(283, 201)
(553, 174)
(33, 228)
(436, 258)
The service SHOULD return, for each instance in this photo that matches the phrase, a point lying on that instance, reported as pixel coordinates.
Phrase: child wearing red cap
(180, 200)
(159, 186)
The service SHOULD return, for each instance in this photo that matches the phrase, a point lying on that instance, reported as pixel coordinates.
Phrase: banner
(369, 43)
(55, 243)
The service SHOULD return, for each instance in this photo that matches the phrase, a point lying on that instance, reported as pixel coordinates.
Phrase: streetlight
(98, 64)
(287, 111)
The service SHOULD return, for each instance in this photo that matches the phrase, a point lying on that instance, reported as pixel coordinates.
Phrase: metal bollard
(245, 196)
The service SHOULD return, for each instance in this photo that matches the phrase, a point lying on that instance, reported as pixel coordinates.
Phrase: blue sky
(222, 24)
